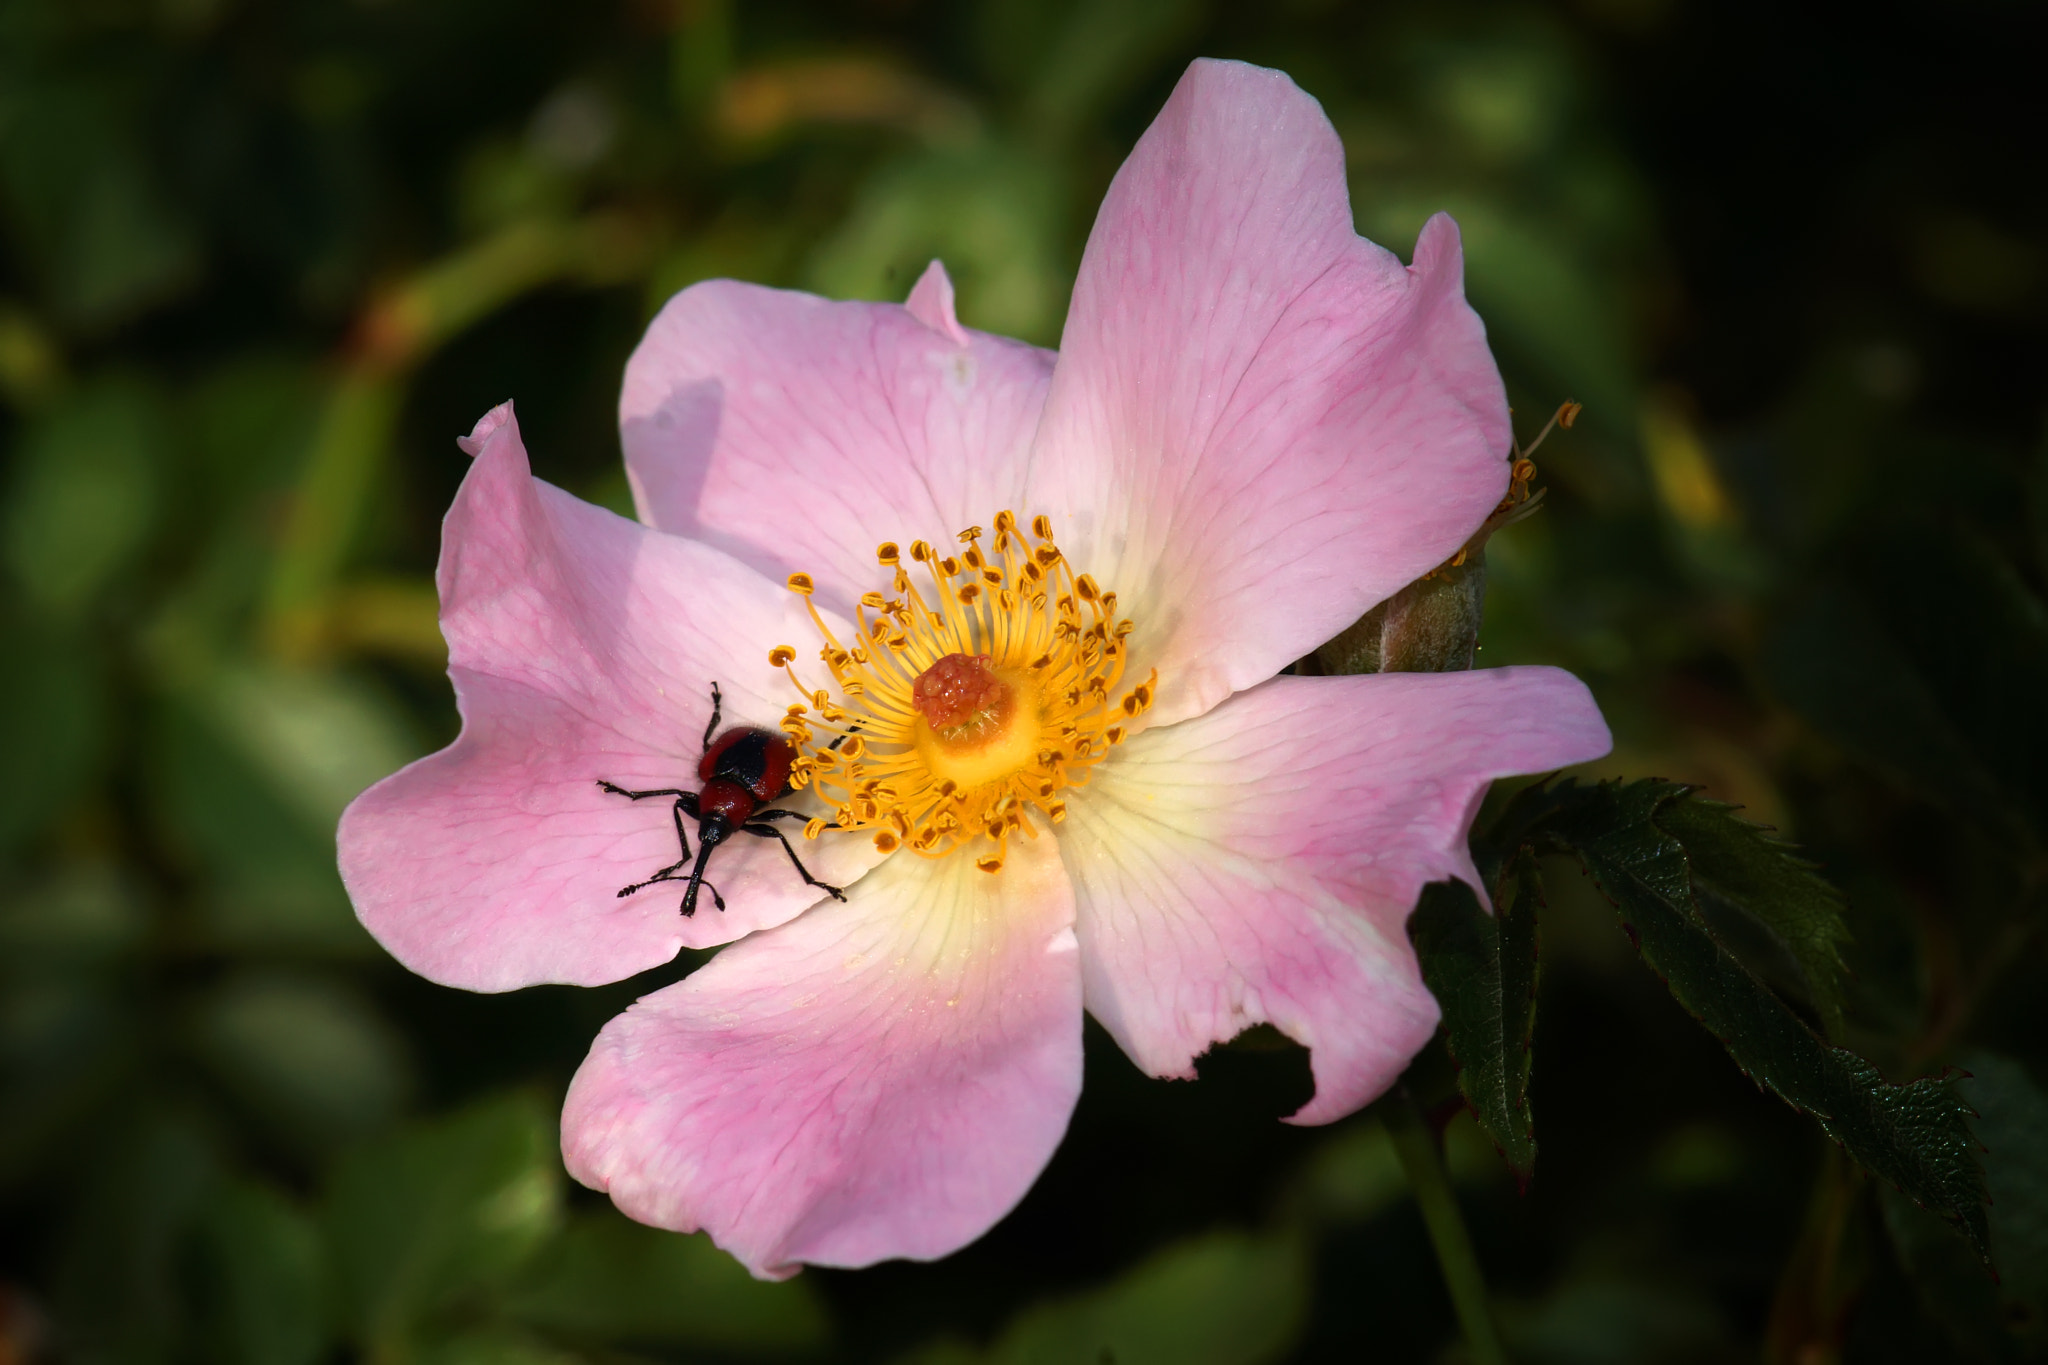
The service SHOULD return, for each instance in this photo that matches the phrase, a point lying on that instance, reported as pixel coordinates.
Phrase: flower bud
(1430, 626)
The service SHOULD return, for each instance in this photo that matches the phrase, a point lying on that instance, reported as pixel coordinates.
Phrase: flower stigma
(963, 713)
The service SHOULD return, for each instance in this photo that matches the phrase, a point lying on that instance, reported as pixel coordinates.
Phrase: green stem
(1424, 1167)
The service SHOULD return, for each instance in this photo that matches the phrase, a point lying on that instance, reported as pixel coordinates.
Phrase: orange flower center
(963, 700)
(960, 714)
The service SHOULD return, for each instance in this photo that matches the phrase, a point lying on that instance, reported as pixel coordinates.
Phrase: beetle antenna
(717, 708)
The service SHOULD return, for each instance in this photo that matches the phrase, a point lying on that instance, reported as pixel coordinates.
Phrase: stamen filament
(1048, 640)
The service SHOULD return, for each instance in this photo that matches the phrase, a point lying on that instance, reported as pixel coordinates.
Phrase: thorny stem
(1415, 1145)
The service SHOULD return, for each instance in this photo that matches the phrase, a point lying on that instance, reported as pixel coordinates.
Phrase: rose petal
(1259, 863)
(882, 1078)
(798, 433)
(1261, 424)
(582, 647)
(931, 303)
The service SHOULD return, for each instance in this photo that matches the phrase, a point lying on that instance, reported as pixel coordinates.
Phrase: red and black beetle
(742, 771)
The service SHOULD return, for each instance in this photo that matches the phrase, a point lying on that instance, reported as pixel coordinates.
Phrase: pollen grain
(965, 707)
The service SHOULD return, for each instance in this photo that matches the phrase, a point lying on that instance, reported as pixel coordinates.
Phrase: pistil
(960, 714)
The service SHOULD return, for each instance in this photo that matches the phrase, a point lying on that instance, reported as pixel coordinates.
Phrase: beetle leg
(770, 832)
(665, 875)
(685, 804)
(617, 790)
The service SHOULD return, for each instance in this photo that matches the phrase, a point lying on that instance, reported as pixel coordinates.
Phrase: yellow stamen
(969, 707)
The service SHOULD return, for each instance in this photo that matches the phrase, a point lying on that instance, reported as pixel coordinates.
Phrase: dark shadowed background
(265, 259)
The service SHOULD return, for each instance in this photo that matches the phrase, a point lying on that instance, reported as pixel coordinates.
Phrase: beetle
(743, 771)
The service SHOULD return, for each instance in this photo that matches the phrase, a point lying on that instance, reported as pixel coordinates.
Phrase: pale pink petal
(1258, 863)
(878, 1079)
(931, 303)
(1261, 424)
(582, 647)
(799, 434)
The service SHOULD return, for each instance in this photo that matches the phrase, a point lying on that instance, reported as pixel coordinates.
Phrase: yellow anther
(801, 583)
(814, 826)
(1049, 645)
(781, 656)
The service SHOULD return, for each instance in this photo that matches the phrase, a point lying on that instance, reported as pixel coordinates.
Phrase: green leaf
(119, 1285)
(1482, 970)
(1741, 866)
(82, 193)
(306, 1053)
(1832, 660)
(70, 1033)
(83, 495)
(54, 728)
(270, 1278)
(493, 1346)
(1978, 633)
(2007, 1319)
(443, 1211)
(608, 1279)
(268, 879)
(1223, 1299)
(1618, 1315)
(1916, 1136)
(2012, 1117)
(1102, 49)
(991, 212)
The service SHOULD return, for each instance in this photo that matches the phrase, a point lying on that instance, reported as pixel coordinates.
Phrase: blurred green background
(265, 259)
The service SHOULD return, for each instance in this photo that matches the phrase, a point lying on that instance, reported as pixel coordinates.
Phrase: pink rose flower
(1059, 769)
